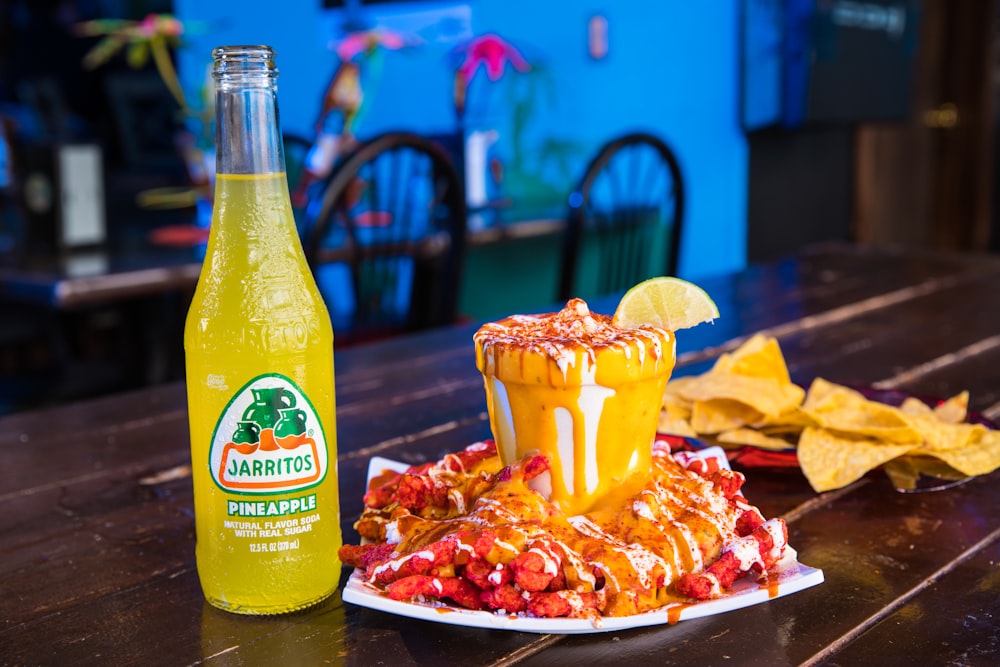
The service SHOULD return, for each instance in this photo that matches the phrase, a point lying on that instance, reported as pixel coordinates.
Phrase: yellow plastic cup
(586, 394)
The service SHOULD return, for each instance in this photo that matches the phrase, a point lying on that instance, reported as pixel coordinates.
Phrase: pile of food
(469, 530)
(839, 434)
(574, 511)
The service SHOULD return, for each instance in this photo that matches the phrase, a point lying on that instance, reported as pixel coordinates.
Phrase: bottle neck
(247, 128)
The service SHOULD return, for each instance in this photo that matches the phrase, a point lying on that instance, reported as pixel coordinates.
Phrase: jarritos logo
(268, 440)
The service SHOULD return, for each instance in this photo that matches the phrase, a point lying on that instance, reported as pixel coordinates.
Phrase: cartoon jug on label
(292, 422)
(246, 433)
(267, 404)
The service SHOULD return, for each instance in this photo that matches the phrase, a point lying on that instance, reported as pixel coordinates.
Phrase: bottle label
(269, 439)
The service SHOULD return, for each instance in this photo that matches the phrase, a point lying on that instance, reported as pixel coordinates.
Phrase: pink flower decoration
(367, 41)
(492, 52)
(160, 24)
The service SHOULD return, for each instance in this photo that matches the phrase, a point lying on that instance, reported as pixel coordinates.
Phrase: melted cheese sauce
(576, 388)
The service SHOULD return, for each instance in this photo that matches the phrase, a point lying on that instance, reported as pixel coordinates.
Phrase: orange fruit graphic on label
(269, 439)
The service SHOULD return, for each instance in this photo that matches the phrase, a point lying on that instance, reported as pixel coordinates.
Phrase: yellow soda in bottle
(259, 360)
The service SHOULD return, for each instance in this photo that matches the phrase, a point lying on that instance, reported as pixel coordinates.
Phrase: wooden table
(97, 534)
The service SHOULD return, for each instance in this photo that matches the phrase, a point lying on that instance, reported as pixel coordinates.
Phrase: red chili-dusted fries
(468, 531)
(755, 552)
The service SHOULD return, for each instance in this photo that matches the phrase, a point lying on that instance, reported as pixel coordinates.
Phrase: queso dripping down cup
(579, 390)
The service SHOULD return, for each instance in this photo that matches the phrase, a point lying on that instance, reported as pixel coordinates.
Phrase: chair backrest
(388, 237)
(625, 218)
(297, 150)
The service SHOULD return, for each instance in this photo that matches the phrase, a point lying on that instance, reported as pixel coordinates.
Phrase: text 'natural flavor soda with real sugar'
(259, 356)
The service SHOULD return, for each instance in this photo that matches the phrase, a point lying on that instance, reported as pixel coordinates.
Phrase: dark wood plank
(951, 622)
(974, 368)
(880, 344)
(167, 621)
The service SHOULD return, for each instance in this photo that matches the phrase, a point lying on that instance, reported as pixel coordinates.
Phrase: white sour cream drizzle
(551, 564)
(774, 527)
(397, 563)
(507, 436)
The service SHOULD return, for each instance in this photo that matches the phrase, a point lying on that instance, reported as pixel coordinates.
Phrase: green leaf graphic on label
(269, 439)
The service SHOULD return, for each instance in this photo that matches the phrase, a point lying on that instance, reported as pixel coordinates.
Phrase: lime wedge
(665, 302)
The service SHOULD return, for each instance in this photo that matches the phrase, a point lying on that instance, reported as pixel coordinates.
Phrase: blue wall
(672, 68)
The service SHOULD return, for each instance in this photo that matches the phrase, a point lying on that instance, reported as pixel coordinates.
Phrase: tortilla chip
(848, 412)
(748, 398)
(938, 436)
(673, 396)
(765, 395)
(976, 458)
(676, 385)
(914, 406)
(792, 421)
(955, 410)
(906, 471)
(760, 356)
(673, 423)
(830, 462)
(722, 414)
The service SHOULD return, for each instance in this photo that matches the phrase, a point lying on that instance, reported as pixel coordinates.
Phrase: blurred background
(791, 122)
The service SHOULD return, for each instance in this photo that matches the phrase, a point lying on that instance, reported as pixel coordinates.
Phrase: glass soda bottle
(259, 360)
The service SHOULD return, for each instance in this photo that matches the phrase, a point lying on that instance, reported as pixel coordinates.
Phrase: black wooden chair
(625, 218)
(387, 239)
